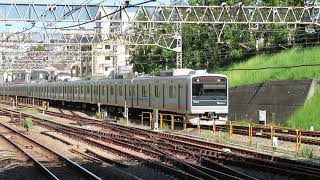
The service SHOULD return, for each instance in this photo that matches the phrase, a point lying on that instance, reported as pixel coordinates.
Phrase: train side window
(112, 90)
(102, 90)
(156, 91)
(144, 91)
(172, 91)
(120, 90)
(130, 91)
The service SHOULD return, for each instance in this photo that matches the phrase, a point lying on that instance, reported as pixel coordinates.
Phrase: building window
(107, 58)
(107, 47)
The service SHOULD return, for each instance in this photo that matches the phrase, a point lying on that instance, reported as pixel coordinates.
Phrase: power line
(99, 18)
(72, 11)
(271, 67)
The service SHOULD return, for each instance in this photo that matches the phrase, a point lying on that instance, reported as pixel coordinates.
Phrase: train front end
(209, 99)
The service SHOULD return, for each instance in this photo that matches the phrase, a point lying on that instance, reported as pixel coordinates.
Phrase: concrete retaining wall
(279, 98)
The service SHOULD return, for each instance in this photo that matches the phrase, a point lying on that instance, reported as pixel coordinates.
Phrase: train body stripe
(208, 100)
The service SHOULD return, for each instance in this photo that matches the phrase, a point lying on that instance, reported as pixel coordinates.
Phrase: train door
(89, 93)
(126, 100)
(163, 95)
(130, 94)
(107, 93)
(94, 93)
(116, 94)
(179, 96)
(137, 95)
(99, 93)
(120, 95)
(149, 93)
(111, 94)
(74, 92)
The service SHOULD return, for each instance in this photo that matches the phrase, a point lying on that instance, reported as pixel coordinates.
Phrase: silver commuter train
(200, 98)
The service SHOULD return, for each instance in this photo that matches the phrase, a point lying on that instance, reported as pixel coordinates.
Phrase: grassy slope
(309, 114)
(291, 57)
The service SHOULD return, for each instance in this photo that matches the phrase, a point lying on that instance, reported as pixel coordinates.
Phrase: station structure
(97, 39)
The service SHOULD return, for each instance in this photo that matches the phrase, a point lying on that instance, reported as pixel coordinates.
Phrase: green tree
(203, 49)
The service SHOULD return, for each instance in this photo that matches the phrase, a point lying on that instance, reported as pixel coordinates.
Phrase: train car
(200, 98)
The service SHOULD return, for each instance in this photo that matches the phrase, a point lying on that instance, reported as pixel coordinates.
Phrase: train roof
(80, 82)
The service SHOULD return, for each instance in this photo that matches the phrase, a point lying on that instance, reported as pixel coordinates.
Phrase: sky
(81, 1)
(17, 27)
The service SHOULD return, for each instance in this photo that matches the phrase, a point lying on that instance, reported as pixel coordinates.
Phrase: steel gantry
(63, 28)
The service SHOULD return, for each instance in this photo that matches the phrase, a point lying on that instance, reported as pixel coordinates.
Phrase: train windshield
(209, 91)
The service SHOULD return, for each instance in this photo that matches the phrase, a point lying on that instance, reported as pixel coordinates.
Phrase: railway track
(284, 134)
(287, 134)
(192, 157)
(50, 162)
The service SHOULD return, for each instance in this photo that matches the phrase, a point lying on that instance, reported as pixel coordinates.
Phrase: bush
(166, 126)
(27, 123)
(122, 121)
(32, 111)
(306, 153)
(98, 115)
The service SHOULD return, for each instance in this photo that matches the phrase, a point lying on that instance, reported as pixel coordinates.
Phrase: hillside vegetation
(308, 115)
(287, 65)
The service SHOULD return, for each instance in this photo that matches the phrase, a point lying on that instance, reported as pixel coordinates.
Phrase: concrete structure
(115, 55)
(279, 98)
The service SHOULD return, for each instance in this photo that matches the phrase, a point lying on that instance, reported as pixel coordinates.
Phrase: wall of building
(279, 98)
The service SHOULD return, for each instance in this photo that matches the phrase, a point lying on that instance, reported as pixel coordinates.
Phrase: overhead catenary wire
(69, 13)
(99, 18)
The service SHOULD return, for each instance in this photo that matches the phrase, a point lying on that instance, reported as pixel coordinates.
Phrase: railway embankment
(280, 99)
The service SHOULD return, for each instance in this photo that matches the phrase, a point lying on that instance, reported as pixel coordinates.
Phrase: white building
(113, 53)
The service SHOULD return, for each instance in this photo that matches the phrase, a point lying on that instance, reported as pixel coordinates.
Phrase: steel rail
(183, 140)
(69, 162)
(86, 136)
(43, 169)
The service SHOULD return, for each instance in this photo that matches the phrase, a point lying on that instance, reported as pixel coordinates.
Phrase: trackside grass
(288, 65)
(308, 115)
